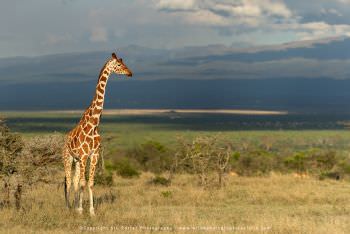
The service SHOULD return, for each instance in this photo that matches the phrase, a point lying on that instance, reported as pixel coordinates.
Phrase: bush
(312, 160)
(42, 157)
(252, 163)
(11, 146)
(152, 156)
(325, 160)
(299, 162)
(125, 169)
(203, 156)
(330, 175)
(44, 150)
(105, 179)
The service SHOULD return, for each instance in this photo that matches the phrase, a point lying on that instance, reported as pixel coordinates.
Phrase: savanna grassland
(285, 173)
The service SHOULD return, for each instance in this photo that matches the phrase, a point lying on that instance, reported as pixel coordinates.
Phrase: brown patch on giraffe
(89, 141)
(81, 138)
(93, 160)
(87, 128)
(100, 89)
(94, 121)
(103, 78)
(81, 151)
(85, 148)
(97, 140)
(99, 103)
(97, 111)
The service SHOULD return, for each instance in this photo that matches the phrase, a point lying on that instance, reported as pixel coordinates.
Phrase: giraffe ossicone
(83, 142)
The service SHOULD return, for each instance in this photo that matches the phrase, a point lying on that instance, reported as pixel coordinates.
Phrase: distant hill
(308, 76)
(316, 95)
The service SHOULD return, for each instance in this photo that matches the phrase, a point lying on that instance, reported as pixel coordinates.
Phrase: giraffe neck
(96, 107)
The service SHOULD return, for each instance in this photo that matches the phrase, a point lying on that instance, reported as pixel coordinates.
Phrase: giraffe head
(117, 66)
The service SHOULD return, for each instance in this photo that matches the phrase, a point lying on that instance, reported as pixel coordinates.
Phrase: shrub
(11, 146)
(325, 160)
(330, 175)
(42, 156)
(299, 162)
(105, 179)
(203, 156)
(152, 156)
(255, 162)
(312, 160)
(44, 150)
(125, 169)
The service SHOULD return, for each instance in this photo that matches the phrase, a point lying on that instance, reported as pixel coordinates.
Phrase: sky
(38, 27)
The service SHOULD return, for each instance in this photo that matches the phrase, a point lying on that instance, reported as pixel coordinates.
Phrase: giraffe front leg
(93, 163)
(82, 183)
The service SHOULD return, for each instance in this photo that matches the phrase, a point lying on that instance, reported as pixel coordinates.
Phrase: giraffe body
(83, 142)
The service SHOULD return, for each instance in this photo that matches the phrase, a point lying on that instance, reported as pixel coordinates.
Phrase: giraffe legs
(82, 184)
(67, 161)
(93, 162)
(79, 180)
(76, 181)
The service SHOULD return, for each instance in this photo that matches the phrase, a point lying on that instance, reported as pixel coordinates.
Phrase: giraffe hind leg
(67, 179)
(76, 184)
(66, 192)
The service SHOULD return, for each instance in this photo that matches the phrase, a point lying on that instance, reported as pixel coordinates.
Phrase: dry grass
(282, 202)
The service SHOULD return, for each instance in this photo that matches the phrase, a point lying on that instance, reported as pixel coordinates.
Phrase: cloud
(98, 34)
(315, 30)
(223, 12)
(331, 11)
(176, 5)
(246, 16)
(52, 39)
(343, 1)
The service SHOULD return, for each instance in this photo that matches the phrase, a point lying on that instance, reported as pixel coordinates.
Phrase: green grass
(123, 132)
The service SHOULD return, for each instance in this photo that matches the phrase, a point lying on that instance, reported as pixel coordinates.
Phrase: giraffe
(84, 141)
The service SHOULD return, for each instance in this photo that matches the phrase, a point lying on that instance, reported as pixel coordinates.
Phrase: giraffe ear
(114, 55)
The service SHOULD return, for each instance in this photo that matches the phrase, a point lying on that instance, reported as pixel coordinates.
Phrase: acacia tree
(203, 156)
